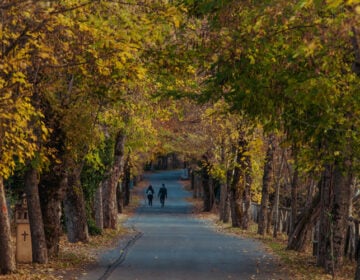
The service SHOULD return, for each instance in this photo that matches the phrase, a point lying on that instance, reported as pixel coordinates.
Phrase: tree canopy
(212, 81)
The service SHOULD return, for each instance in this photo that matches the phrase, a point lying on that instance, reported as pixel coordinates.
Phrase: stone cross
(25, 234)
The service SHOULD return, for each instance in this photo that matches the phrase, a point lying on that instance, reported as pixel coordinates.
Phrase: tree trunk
(335, 192)
(98, 208)
(297, 239)
(270, 216)
(206, 187)
(234, 209)
(196, 185)
(166, 163)
(266, 185)
(350, 241)
(294, 202)
(126, 185)
(126, 188)
(234, 196)
(38, 240)
(224, 211)
(240, 184)
(276, 209)
(224, 203)
(340, 212)
(119, 198)
(52, 191)
(357, 253)
(74, 208)
(324, 257)
(247, 194)
(277, 195)
(212, 184)
(227, 201)
(111, 181)
(7, 257)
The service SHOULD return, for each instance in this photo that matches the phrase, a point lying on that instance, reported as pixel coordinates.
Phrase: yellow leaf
(252, 59)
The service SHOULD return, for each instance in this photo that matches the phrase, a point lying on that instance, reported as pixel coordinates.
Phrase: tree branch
(356, 64)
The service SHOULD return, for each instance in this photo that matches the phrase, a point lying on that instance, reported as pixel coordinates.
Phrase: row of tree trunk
(59, 192)
(235, 197)
(329, 203)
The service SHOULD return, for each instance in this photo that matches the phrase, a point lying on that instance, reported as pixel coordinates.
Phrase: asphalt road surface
(172, 244)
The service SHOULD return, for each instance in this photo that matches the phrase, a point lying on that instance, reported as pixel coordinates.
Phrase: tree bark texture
(350, 240)
(198, 192)
(38, 240)
(340, 212)
(52, 190)
(240, 185)
(266, 185)
(247, 193)
(234, 209)
(294, 195)
(234, 192)
(357, 255)
(277, 195)
(74, 208)
(335, 192)
(119, 198)
(7, 256)
(297, 239)
(205, 178)
(52, 186)
(356, 64)
(111, 181)
(269, 219)
(276, 209)
(98, 208)
(126, 185)
(324, 257)
(224, 203)
(162, 162)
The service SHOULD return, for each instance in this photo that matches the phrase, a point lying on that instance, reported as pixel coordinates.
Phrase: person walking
(162, 195)
(150, 194)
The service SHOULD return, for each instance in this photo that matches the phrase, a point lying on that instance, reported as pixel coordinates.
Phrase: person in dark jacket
(150, 194)
(162, 195)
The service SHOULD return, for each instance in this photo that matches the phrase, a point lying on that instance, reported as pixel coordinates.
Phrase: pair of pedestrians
(162, 194)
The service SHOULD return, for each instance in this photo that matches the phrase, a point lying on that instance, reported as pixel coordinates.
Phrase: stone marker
(23, 235)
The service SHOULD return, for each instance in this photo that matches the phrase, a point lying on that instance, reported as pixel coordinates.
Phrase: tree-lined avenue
(176, 245)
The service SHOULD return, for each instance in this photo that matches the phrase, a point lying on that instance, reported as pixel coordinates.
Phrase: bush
(93, 229)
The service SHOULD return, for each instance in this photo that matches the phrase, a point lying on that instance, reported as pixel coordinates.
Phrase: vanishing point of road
(172, 244)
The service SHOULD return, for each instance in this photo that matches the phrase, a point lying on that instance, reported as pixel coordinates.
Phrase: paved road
(173, 245)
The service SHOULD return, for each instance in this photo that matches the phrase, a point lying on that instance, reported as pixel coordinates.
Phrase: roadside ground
(75, 258)
(299, 265)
